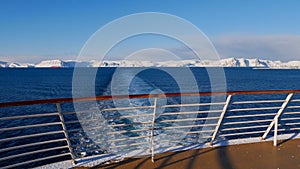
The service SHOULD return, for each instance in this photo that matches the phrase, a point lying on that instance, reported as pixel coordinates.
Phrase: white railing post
(220, 119)
(152, 131)
(275, 132)
(61, 117)
(280, 111)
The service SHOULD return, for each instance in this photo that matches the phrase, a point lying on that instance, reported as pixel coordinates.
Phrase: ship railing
(241, 115)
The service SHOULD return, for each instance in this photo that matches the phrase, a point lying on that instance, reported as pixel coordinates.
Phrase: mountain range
(229, 62)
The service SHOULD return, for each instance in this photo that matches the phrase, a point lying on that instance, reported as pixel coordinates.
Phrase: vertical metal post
(275, 132)
(152, 131)
(280, 111)
(61, 117)
(220, 119)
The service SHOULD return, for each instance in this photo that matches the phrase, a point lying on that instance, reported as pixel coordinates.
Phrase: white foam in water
(107, 158)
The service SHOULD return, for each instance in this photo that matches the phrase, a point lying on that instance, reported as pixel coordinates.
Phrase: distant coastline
(229, 62)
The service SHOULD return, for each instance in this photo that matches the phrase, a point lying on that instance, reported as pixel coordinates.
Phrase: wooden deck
(245, 156)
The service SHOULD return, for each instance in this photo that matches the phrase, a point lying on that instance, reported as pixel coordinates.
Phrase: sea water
(33, 84)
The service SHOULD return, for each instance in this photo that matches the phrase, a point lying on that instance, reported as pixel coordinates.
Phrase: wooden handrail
(62, 100)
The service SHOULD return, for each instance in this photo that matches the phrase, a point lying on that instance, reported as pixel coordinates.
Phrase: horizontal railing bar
(128, 108)
(30, 126)
(251, 115)
(189, 119)
(258, 101)
(32, 144)
(191, 105)
(242, 128)
(28, 116)
(243, 122)
(32, 152)
(290, 118)
(290, 113)
(241, 133)
(35, 160)
(288, 124)
(62, 100)
(128, 138)
(253, 109)
(293, 130)
(290, 129)
(31, 135)
(126, 145)
(293, 107)
(296, 100)
(191, 112)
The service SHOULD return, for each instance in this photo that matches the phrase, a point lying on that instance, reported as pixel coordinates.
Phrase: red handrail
(62, 100)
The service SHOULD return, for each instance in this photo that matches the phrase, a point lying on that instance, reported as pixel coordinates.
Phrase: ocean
(33, 84)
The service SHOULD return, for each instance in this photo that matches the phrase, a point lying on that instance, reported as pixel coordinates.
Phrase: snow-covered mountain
(229, 62)
(242, 62)
(59, 63)
(50, 63)
(14, 65)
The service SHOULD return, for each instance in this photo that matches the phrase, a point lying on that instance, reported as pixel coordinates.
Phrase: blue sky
(35, 30)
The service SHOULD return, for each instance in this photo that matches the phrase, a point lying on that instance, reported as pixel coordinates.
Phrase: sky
(35, 30)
